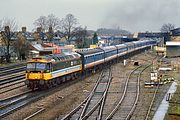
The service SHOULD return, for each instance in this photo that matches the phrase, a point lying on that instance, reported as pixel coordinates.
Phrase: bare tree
(80, 34)
(167, 27)
(46, 22)
(21, 46)
(53, 22)
(41, 22)
(9, 22)
(69, 24)
(9, 26)
(50, 34)
(1, 25)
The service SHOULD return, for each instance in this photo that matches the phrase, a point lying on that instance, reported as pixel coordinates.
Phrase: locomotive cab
(38, 69)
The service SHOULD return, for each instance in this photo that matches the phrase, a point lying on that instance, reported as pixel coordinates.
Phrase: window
(48, 68)
(31, 65)
(40, 66)
(36, 66)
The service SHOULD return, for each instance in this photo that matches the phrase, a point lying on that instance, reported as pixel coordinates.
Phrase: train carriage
(110, 53)
(91, 57)
(122, 49)
(151, 42)
(138, 45)
(130, 46)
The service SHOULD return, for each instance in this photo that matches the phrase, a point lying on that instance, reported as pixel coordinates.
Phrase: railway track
(13, 75)
(93, 112)
(12, 66)
(92, 106)
(10, 80)
(126, 105)
(12, 70)
(34, 114)
(12, 86)
(13, 103)
(123, 109)
(151, 104)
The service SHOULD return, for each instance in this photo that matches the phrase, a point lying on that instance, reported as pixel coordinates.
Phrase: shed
(172, 49)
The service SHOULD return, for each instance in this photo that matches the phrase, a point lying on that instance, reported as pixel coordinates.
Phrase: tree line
(67, 28)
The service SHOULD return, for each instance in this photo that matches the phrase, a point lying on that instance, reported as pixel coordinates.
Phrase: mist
(131, 15)
(142, 15)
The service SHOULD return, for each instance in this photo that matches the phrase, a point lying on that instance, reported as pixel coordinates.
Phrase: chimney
(50, 29)
(7, 29)
(39, 29)
(23, 29)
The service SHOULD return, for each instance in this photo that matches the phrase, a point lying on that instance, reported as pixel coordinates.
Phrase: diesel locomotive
(49, 70)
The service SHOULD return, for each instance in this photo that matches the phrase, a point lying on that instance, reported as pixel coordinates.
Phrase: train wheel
(46, 86)
(54, 83)
(40, 87)
(32, 87)
(49, 84)
(58, 81)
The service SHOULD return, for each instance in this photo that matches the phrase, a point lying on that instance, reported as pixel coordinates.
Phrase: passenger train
(50, 70)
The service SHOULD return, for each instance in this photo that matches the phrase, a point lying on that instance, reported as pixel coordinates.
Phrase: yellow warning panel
(93, 46)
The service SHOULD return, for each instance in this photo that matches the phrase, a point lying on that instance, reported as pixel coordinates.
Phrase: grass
(174, 106)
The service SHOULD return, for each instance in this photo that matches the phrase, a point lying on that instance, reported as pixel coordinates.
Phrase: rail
(84, 114)
(123, 96)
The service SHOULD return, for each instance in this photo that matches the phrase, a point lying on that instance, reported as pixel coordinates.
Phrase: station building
(173, 46)
(173, 49)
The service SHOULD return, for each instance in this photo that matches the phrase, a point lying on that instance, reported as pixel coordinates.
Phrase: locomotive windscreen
(37, 67)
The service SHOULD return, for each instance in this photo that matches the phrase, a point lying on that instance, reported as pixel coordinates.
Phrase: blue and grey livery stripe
(66, 69)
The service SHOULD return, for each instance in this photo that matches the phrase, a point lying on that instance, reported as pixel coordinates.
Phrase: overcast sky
(132, 15)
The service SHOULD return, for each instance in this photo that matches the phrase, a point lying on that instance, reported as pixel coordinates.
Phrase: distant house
(173, 46)
(175, 34)
(47, 48)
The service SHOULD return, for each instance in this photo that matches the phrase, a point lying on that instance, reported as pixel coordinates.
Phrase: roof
(150, 34)
(61, 57)
(38, 47)
(172, 43)
(176, 32)
(108, 48)
(89, 51)
(121, 45)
